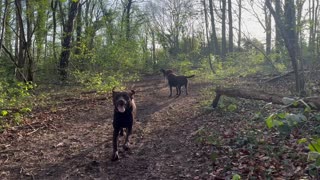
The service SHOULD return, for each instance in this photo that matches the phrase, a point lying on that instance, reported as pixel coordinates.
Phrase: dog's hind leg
(186, 87)
(177, 89)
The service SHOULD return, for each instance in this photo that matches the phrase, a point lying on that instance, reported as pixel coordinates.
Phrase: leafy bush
(97, 81)
(286, 122)
(15, 100)
(15, 94)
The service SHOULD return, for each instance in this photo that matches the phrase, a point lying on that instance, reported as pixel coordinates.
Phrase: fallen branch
(313, 102)
(278, 77)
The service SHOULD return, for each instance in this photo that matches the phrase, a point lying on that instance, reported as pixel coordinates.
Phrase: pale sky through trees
(250, 24)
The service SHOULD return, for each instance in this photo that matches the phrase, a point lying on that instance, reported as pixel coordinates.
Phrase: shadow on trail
(94, 161)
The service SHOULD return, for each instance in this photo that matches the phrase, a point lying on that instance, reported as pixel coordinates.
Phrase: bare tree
(170, 19)
(313, 22)
(230, 26)
(268, 30)
(126, 17)
(287, 28)
(278, 39)
(68, 28)
(207, 34)
(3, 25)
(223, 29)
(214, 38)
(54, 6)
(239, 23)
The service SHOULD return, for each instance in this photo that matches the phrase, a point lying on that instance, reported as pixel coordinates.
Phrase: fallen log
(278, 77)
(312, 102)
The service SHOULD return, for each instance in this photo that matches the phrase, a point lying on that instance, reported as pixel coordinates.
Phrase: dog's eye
(127, 98)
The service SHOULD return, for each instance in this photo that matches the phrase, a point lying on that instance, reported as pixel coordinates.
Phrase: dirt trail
(74, 141)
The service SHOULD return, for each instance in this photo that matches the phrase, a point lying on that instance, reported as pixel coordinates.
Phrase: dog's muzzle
(121, 105)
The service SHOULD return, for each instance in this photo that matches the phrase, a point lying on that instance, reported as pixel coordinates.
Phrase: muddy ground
(175, 138)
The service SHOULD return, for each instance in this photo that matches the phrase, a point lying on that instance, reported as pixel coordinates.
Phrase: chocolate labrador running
(123, 117)
(176, 81)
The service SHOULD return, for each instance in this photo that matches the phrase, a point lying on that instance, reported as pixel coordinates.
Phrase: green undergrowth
(16, 99)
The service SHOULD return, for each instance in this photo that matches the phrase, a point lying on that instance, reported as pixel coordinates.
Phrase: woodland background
(47, 46)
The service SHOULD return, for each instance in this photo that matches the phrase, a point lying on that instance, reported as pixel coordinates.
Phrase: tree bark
(278, 39)
(214, 38)
(239, 24)
(78, 30)
(207, 35)
(268, 30)
(287, 29)
(24, 59)
(66, 41)
(153, 40)
(230, 26)
(54, 5)
(224, 39)
(3, 28)
(128, 13)
(313, 102)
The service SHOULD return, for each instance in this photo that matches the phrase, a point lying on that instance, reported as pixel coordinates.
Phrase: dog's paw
(126, 147)
(115, 156)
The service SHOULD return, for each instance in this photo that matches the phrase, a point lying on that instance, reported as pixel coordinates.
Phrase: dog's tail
(190, 76)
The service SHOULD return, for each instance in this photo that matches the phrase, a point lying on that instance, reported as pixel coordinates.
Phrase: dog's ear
(132, 93)
(114, 92)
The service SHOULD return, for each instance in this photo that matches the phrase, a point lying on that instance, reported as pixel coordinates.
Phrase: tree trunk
(78, 30)
(268, 30)
(288, 32)
(207, 35)
(3, 25)
(214, 38)
(230, 26)
(66, 41)
(8, 31)
(28, 57)
(313, 102)
(317, 38)
(224, 39)
(278, 39)
(239, 24)
(54, 5)
(312, 23)
(153, 48)
(127, 13)
(20, 45)
(24, 59)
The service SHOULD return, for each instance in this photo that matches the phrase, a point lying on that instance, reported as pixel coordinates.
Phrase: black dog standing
(124, 112)
(176, 81)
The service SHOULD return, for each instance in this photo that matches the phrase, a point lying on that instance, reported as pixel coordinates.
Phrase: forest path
(73, 140)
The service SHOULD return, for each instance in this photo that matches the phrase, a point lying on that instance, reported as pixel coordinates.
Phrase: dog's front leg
(186, 87)
(170, 91)
(178, 91)
(126, 143)
(115, 154)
